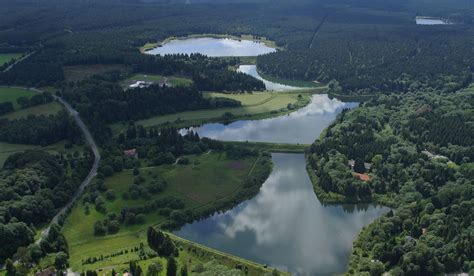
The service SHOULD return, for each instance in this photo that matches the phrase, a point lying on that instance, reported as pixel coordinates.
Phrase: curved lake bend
(302, 126)
(269, 85)
(213, 47)
(285, 226)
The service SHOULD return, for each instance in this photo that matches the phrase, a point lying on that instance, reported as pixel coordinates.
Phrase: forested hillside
(366, 46)
(34, 185)
(416, 151)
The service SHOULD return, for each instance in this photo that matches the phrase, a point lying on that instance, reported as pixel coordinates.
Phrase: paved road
(90, 141)
(18, 61)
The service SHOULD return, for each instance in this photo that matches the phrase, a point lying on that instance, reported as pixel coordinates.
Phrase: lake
(285, 226)
(302, 126)
(420, 20)
(269, 85)
(213, 47)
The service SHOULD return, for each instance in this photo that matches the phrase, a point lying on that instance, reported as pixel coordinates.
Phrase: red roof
(362, 176)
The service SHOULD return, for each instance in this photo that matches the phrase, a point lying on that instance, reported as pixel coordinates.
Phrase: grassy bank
(274, 147)
(259, 105)
(4, 58)
(209, 181)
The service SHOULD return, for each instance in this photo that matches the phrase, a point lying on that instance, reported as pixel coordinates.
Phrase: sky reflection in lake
(213, 47)
(285, 225)
(302, 126)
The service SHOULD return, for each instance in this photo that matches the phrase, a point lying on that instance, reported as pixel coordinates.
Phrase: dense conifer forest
(409, 147)
(423, 172)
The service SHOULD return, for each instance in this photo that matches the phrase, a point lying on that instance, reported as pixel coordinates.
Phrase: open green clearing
(44, 109)
(4, 58)
(170, 80)
(7, 149)
(80, 72)
(257, 105)
(11, 94)
(208, 177)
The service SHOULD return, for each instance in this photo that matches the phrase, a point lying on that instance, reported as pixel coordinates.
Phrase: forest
(34, 185)
(423, 172)
(409, 147)
(103, 102)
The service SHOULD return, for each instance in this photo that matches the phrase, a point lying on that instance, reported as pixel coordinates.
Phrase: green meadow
(256, 105)
(11, 94)
(44, 109)
(207, 179)
(4, 58)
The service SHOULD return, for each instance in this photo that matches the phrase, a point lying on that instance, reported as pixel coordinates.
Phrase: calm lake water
(285, 226)
(272, 86)
(302, 126)
(213, 47)
(430, 21)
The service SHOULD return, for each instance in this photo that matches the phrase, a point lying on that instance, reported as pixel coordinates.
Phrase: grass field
(80, 72)
(258, 105)
(170, 80)
(44, 109)
(7, 149)
(274, 147)
(4, 58)
(208, 178)
(11, 94)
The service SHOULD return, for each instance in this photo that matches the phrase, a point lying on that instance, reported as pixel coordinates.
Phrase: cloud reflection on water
(301, 126)
(285, 226)
(213, 47)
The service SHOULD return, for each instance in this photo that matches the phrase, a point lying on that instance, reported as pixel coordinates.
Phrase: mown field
(80, 72)
(7, 149)
(8, 94)
(171, 80)
(4, 58)
(208, 177)
(44, 109)
(254, 106)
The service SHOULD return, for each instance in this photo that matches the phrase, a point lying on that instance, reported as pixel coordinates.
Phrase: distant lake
(213, 47)
(272, 86)
(302, 126)
(285, 226)
(430, 21)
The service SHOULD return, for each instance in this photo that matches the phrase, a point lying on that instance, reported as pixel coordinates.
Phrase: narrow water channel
(302, 126)
(285, 225)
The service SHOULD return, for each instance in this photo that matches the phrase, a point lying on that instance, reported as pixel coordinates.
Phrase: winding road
(90, 141)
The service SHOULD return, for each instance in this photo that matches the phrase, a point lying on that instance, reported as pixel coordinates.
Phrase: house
(351, 164)
(140, 84)
(361, 176)
(131, 153)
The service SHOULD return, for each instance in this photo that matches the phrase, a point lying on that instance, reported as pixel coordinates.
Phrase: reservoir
(212, 47)
(302, 126)
(285, 226)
